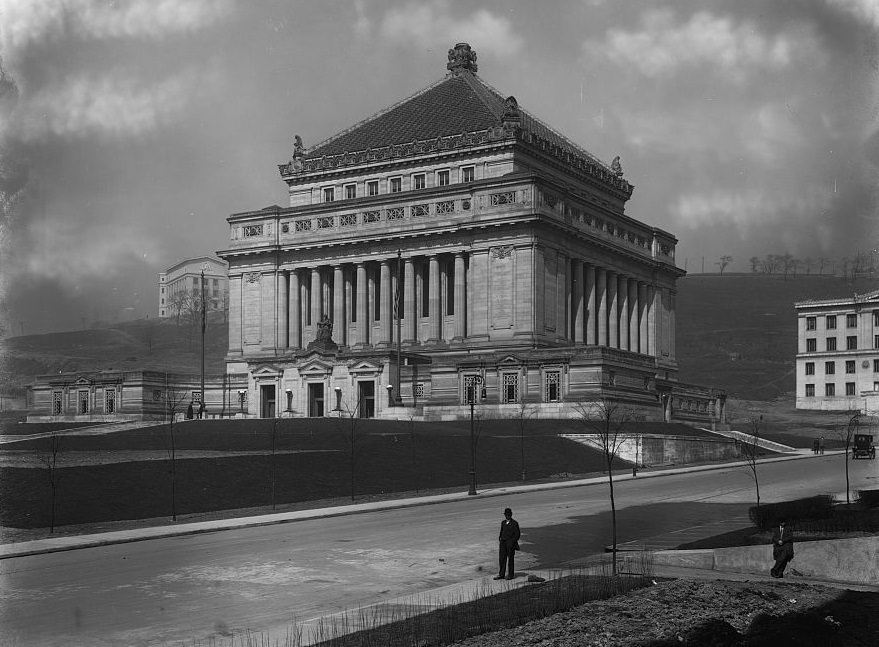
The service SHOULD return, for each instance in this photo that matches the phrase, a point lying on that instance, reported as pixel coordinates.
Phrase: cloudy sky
(130, 129)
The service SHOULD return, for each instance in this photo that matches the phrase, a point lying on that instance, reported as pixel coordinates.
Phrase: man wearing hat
(508, 540)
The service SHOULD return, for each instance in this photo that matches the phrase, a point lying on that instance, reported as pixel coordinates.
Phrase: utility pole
(398, 399)
(201, 406)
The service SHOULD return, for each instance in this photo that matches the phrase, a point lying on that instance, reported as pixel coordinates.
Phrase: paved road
(209, 585)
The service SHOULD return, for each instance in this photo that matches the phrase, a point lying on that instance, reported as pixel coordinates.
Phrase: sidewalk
(57, 544)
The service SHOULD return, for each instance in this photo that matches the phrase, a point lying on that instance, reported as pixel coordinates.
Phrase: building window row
(830, 389)
(395, 184)
(377, 215)
(475, 391)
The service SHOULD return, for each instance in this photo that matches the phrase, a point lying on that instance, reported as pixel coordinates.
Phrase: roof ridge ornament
(461, 57)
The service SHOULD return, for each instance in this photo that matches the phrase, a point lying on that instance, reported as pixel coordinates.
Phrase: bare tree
(524, 414)
(809, 263)
(756, 264)
(786, 261)
(751, 450)
(822, 263)
(179, 302)
(349, 430)
(770, 263)
(50, 460)
(723, 263)
(415, 470)
(174, 399)
(275, 422)
(847, 433)
(606, 420)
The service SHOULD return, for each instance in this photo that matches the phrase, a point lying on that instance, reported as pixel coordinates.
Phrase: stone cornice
(579, 165)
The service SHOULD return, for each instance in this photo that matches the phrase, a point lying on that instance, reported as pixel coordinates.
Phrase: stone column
(410, 318)
(303, 308)
(652, 337)
(385, 304)
(613, 311)
(315, 300)
(577, 293)
(295, 312)
(282, 301)
(623, 298)
(672, 307)
(236, 312)
(340, 326)
(362, 312)
(633, 315)
(460, 298)
(433, 299)
(601, 296)
(642, 318)
(590, 305)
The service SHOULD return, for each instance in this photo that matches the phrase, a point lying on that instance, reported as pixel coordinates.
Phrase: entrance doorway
(316, 400)
(366, 398)
(267, 400)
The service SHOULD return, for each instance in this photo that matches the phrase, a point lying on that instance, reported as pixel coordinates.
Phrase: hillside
(736, 332)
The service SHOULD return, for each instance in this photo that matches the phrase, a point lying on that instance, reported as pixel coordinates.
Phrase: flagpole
(398, 400)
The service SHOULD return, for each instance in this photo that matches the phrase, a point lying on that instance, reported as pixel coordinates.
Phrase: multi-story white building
(453, 249)
(838, 353)
(182, 281)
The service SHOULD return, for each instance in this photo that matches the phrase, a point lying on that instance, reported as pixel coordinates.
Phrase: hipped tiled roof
(459, 103)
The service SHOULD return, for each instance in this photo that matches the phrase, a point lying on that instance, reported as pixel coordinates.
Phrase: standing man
(782, 548)
(508, 540)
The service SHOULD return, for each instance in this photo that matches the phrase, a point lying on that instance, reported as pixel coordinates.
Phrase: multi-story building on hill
(180, 285)
(838, 353)
(450, 249)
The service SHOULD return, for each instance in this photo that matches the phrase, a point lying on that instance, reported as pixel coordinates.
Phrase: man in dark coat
(782, 548)
(508, 541)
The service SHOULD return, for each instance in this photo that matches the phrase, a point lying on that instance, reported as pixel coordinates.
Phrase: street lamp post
(398, 400)
(201, 406)
(471, 396)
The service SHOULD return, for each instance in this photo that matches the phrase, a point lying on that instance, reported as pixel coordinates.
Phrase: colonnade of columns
(604, 307)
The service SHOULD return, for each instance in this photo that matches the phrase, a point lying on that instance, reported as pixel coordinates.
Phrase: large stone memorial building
(454, 247)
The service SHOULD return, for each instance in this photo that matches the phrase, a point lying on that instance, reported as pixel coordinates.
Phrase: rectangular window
(811, 323)
(372, 216)
(511, 387)
(830, 389)
(419, 210)
(472, 392)
(851, 342)
(552, 383)
(395, 213)
(418, 390)
(810, 390)
(350, 191)
(372, 187)
(849, 388)
(850, 366)
(811, 345)
(875, 318)
(109, 401)
(810, 368)
(876, 341)
(56, 403)
(831, 322)
(831, 343)
(419, 181)
(876, 365)
(329, 194)
(348, 220)
(851, 321)
(445, 206)
(468, 174)
(396, 184)
(83, 402)
(325, 222)
(442, 178)
(829, 368)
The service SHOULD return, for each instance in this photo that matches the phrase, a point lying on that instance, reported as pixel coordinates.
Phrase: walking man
(508, 541)
(782, 548)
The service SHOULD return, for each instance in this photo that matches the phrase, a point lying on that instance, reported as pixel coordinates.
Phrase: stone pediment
(510, 360)
(82, 381)
(364, 367)
(314, 366)
(266, 370)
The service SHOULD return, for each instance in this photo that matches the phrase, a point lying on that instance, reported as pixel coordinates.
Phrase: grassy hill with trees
(734, 331)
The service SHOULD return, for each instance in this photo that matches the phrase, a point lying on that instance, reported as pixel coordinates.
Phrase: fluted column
(282, 300)
(385, 303)
(315, 300)
(613, 311)
(633, 315)
(410, 318)
(652, 338)
(460, 298)
(362, 313)
(303, 308)
(433, 299)
(340, 326)
(590, 305)
(623, 297)
(577, 293)
(295, 312)
(642, 318)
(601, 296)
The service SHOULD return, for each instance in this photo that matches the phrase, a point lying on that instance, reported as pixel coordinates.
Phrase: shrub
(768, 515)
(868, 498)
